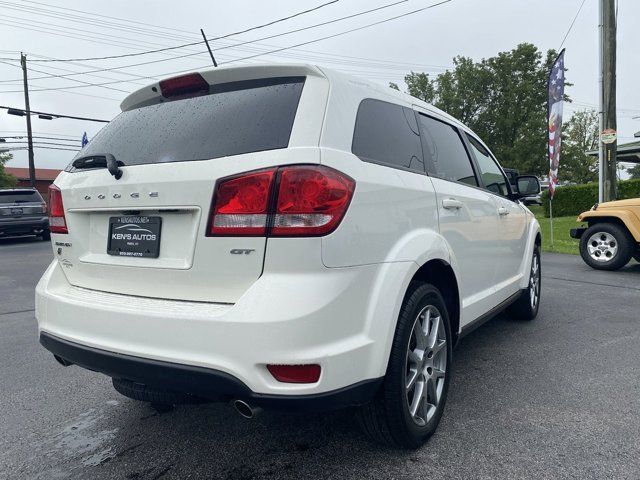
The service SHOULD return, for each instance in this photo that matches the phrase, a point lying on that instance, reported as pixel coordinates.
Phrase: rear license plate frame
(133, 238)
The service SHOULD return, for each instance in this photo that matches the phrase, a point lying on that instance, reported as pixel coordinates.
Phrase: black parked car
(23, 212)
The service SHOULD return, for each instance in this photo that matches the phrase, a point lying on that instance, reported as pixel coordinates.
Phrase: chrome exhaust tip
(246, 410)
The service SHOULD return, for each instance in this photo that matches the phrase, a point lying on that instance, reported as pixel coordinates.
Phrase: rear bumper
(577, 232)
(23, 226)
(282, 319)
(204, 382)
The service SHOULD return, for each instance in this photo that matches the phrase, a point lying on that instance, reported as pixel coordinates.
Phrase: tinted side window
(388, 134)
(446, 156)
(492, 176)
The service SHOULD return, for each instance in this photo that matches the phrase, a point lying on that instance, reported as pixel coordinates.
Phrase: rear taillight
(57, 221)
(311, 200)
(240, 204)
(183, 86)
(297, 200)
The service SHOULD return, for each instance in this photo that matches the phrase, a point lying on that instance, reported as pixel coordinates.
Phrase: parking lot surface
(554, 398)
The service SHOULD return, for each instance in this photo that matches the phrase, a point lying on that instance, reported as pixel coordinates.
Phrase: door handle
(502, 211)
(451, 204)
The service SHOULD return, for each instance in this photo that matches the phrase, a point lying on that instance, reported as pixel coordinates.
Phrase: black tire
(144, 393)
(525, 308)
(637, 257)
(387, 418)
(46, 236)
(623, 242)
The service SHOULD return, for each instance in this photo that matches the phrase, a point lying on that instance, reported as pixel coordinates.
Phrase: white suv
(284, 236)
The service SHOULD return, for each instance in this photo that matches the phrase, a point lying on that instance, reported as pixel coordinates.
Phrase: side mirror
(528, 186)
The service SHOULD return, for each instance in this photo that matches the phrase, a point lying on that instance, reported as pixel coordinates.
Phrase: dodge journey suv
(23, 212)
(284, 236)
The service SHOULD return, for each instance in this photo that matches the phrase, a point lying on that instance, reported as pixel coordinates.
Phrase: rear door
(467, 214)
(512, 219)
(145, 234)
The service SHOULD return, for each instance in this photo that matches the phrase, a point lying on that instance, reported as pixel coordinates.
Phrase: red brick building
(44, 178)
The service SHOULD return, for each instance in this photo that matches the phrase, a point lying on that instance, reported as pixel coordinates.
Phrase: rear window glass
(20, 197)
(234, 118)
(387, 134)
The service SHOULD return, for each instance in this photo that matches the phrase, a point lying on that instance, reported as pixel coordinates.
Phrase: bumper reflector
(295, 373)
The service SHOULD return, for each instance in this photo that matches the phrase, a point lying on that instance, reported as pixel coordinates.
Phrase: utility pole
(608, 125)
(32, 168)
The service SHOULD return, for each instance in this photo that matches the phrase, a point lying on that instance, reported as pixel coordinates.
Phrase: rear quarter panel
(392, 216)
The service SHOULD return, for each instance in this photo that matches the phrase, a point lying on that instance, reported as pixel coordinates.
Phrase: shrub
(575, 199)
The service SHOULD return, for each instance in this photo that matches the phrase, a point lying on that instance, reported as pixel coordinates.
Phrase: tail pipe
(246, 410)
(62, 361)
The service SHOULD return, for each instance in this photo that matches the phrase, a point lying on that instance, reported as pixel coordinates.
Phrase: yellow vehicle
(613, 235)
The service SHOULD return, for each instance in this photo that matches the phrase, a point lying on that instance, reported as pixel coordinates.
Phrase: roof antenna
(208, 48)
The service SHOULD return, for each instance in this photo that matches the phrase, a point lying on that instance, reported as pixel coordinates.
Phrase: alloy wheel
(426, 365)
(534, 282)
(602, 247)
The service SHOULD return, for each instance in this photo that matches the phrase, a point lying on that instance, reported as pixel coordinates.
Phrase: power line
(163, 31)
(319, 56)
(81, 81)
(572, 23)
(86, 65)
(41, 88)
(73, 73)
(90, 35)
(195, 43)
(42, 143)
(24, 8)
(38, 146)
(62, 139)
(112, 18)
(377, 62)
(364, 12)
(321, 38)
(163, 28)
(271, 51)
(22, 132)
(55, 115)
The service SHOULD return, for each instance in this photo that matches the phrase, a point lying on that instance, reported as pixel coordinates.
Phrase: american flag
(555, 86)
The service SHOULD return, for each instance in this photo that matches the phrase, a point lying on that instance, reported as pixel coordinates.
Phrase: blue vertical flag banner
(555, 89)
(85, 140)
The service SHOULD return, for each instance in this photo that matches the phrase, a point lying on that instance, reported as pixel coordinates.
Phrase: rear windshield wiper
(100, 160)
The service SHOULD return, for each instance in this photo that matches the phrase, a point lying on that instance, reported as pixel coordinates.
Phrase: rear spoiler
(150, 94)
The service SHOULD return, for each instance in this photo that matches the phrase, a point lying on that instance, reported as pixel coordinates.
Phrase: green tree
(580, 135)
(502, 98)
(6, 180)
(634, 171)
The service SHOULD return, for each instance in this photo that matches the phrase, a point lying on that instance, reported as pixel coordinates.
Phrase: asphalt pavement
(558, 397)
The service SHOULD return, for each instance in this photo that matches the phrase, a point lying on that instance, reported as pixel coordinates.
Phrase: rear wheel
(46, 235)
(409, 405)
(527, 306)
(606, 246)
(637, 256)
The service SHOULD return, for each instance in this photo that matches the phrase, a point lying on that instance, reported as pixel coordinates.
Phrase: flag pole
(551, 219)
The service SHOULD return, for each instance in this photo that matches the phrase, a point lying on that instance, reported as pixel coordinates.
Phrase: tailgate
(189, 265)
